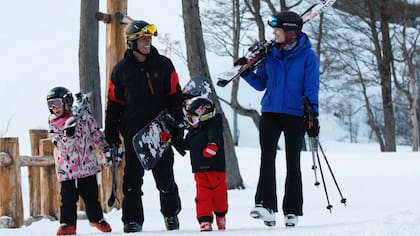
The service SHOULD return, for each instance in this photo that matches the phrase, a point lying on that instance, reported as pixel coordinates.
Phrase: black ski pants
(87, 188)
(163, 174)
(271, 127)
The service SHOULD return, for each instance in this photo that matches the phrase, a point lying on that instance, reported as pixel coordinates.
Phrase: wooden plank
(49, 186)
(34, 173)
(10, 184)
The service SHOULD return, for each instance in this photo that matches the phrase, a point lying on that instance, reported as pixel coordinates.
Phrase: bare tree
(407, 81)
(88, 56)
(366, 59)
(383, 54)
(199, 71)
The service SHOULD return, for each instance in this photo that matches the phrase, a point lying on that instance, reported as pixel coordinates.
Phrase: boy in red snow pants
(205, 139)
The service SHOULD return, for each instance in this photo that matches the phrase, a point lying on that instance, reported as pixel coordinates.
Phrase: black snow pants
(163, 174)
(271, 127)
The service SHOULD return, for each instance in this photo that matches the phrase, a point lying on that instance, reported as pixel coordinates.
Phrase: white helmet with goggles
(198, 109)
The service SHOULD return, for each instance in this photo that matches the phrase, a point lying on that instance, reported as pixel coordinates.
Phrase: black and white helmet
(63, 93)
(198, 109)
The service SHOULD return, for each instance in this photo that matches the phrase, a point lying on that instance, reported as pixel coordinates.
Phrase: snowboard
(148, 143)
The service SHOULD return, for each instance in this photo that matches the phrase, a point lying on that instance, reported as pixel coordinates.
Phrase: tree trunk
(386, 81)
(198, 68)
(90, 81)
(115, 44)
(383, 53)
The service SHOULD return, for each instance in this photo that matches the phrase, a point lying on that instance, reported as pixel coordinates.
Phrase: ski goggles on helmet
(273, 21)
(148, 30)
(193, 119)
(287, 22)
(55, 103)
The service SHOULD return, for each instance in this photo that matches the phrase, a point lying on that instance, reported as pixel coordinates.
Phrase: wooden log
(10, 184)
(49, 186)
(39, 161)
(5, 159)
(106, 18)
(118, 17)
(116, 45)
(34, 173)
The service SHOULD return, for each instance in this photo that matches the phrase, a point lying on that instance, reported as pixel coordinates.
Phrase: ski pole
(329, 206)
(314, 147)
(343, 200)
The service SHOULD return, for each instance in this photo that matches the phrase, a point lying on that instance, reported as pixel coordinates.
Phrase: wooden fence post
(49, 186)
(35, 136)
(116, 19)
(10, 185)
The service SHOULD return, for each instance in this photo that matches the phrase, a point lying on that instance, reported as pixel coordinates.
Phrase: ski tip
(222, 83)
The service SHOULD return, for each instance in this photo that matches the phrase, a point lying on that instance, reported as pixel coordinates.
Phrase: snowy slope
(381, 191)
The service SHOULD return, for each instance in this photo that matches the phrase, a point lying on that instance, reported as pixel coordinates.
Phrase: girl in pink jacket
(74, 137)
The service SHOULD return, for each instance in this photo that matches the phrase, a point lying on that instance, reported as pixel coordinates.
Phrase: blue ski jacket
(286, 76)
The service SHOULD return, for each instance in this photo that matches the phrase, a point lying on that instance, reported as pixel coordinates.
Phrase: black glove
(70, 127)
(241, 61)
(176, 130)
(112, 137)
(313, 127)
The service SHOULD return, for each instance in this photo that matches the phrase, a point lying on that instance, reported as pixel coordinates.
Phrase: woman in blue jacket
(289, 71)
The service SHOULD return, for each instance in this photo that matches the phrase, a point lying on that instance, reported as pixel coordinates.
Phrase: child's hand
(210, 150)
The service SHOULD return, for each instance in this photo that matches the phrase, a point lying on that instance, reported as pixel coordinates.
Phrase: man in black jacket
(142, 84)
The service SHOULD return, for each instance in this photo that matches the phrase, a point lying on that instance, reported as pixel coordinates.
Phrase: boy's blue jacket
(286, 76)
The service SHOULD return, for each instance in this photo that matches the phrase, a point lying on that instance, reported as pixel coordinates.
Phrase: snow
(380, 188)
(39, 51)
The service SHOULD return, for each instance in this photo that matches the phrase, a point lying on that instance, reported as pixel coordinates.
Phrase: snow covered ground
(381, 190)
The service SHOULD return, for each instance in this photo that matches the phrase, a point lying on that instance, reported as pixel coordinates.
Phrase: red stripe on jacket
(174, 83)
(111, 94)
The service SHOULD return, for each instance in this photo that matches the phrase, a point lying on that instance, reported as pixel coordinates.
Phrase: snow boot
(66, 229)
(290, 220)
(101, 225)
(265, 214)
(205, 226)
(221, 222)
(132, 227)
(171, 222)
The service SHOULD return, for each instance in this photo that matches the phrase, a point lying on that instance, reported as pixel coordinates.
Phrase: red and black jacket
(209, 131)
(138, 91)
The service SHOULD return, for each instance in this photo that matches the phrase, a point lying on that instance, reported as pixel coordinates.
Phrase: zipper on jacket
(149, 81)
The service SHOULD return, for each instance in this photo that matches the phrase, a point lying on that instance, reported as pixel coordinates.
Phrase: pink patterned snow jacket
(74, 156)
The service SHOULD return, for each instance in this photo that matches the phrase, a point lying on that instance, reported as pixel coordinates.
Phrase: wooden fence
(44, 189)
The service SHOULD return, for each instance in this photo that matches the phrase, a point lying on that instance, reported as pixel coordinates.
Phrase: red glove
(210, 150)
(165, 136)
